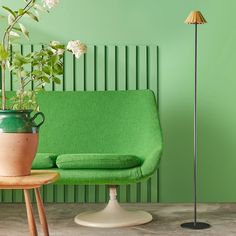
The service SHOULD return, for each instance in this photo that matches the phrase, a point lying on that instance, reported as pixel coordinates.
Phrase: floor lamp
(195, 18)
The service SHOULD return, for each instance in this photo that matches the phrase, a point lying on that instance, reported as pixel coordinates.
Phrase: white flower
(59, 51)
(50, 3)
(77, 48)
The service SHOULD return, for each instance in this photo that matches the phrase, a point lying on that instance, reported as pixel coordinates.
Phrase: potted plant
(18, 129)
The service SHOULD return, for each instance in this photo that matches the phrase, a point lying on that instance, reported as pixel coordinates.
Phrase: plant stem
(6, 48)
(3, 85)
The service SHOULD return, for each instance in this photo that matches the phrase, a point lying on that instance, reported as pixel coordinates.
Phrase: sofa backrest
(98, 122)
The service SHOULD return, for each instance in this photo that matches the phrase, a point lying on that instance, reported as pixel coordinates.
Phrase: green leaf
(54, 59)
(45, 79)
(47, 70)
(56, 80)
(3, 53)
(20, 11)
(9, 10)
(24, 30)
(34, 17)
(37, 72)
(58, 69)
(17, 29)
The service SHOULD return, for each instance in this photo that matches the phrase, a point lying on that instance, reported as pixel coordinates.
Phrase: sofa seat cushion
(97, 161)
(44, 161)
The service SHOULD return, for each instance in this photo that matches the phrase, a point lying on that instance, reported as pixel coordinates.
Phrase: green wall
(160, 22)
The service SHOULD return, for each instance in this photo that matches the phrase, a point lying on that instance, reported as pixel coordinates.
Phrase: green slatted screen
(104, 67)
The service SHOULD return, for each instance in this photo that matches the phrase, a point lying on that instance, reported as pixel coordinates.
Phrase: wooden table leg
(41, 210)
(30, 215)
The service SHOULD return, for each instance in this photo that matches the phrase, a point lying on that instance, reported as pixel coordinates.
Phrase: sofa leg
(113, 215)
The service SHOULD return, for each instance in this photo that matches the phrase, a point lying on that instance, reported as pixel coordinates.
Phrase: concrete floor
(167, 220)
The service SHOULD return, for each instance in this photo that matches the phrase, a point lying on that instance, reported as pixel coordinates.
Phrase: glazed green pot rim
(16, 111)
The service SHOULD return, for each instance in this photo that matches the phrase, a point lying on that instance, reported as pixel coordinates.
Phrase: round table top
(36, 179)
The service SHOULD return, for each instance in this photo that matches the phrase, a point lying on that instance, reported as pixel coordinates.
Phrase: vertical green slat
(1, 193)
(121, 68)
(49, 193)
(111, 68)
(126, 67)
(85, 71)
(147, 64)
(152, 55)
(126, 88)
(131, 67)
(18, 196)
(100, 85)
(142, 67)
(132, 83)
(91, 193)
(70, 194)
(90, 85)
(105, 67)
(81, 193)
(149, 181)
(59, 190)
(68, 70)
(137, 67)
(79, 72)
(7, 195)
(122, 193)
(121, 78)
(152, 79)
(74, 73)
(90, 69)
(141, 71)
(158, 102)
(64, 73)
(101, 193)
(100, 68)
(95, 67)
(116, 67)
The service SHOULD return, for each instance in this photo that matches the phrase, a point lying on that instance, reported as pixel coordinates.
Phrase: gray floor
(167, 219)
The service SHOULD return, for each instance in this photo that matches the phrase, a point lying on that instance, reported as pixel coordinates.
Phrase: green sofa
(102, 137)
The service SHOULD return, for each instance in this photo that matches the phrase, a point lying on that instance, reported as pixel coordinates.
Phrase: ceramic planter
(18, 141)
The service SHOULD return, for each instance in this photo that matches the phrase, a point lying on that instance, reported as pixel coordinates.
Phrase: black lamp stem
(195, 131)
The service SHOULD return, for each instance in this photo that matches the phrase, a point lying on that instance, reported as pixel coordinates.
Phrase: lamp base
(197, 225)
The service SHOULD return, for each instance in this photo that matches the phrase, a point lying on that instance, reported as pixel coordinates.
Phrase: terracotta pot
(18, 141)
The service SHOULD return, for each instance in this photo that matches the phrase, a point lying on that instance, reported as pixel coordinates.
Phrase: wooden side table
(35, 180)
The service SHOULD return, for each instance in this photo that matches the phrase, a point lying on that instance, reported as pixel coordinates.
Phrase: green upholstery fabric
(44, 161)
(99, 176)
(102, 122)
(96, 161)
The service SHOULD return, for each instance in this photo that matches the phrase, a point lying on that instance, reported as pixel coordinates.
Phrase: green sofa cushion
(97, 161)
(101, 176)
(44, 161)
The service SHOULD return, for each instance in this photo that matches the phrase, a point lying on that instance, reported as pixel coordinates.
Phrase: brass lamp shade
(195, 17)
